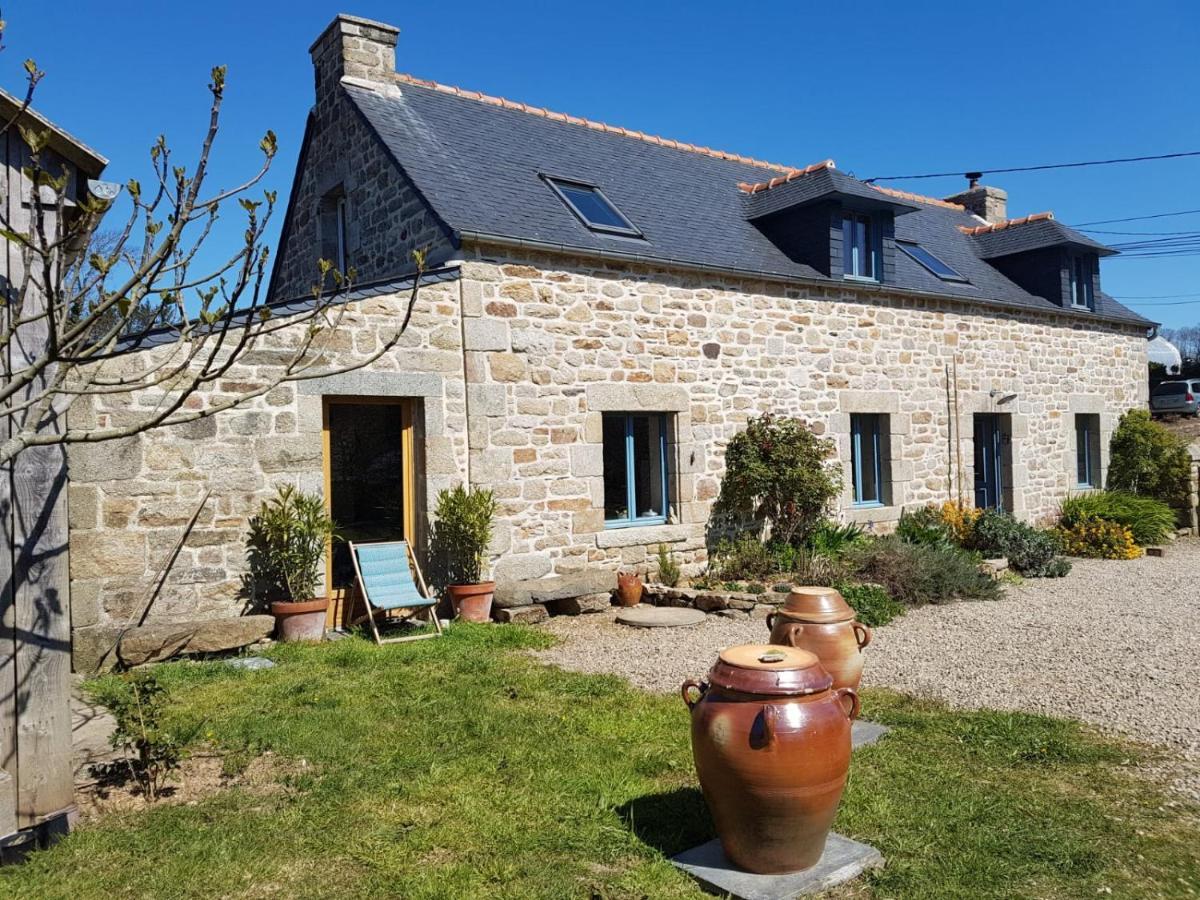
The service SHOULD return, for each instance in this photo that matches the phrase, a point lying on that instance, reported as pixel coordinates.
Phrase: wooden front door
(369, 486)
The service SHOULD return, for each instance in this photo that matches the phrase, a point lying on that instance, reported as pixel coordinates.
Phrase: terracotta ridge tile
(1007, 223)
(784, 179)
(596, 126)
(920, 198)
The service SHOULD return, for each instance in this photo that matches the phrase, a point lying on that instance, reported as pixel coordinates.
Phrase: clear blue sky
(883, 88)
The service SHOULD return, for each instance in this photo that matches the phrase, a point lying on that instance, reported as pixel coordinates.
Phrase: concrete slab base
(864, 733)
(842, 860)
(645, 616)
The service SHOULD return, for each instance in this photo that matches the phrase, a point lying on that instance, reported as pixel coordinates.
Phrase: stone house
(602, 310)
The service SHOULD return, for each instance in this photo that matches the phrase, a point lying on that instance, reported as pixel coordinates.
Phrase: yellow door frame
(342, 600)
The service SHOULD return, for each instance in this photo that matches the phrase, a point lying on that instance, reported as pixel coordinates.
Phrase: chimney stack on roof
(356, 48)
(989, 203)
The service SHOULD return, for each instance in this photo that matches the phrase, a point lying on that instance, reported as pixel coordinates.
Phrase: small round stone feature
(660, 617)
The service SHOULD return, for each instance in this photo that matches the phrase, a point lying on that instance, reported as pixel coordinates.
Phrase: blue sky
(916, 87)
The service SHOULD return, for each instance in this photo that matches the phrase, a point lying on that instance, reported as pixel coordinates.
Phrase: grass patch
(463, 768)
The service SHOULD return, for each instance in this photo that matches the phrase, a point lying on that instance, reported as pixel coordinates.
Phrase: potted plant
(461, 533)
(286, 551)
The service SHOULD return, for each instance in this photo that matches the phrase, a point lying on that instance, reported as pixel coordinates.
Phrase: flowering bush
(960, 520)
(1099, 539)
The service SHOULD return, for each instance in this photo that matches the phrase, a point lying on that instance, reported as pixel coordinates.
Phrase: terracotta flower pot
(472, 602)
(771, 741)
(629, 588)
(819, 620)
(300, 620)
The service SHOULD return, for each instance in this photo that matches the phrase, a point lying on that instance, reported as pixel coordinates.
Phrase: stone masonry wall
(386, 218)
(130, 500)
(551, 344)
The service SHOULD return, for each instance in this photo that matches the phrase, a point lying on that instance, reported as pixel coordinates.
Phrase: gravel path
(1112, 644)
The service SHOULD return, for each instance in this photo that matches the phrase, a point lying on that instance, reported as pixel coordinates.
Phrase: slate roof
(1033, 233)
(478, 161)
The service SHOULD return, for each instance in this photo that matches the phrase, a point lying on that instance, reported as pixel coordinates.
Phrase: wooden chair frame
(420, 580)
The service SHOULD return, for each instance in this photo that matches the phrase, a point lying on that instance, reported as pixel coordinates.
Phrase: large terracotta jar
(771, 740)
(819, 620)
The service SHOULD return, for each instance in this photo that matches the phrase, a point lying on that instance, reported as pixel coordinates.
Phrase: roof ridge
(920, 198)
(588, 123)
(784, 179)
(1007, 223)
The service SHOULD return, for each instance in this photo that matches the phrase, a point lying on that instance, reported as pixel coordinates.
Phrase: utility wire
(1156, 296)
(1070, 165)
(1182, 212)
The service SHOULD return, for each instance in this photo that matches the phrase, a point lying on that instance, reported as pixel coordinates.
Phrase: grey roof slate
(1034, 236)
(479, 165)
(820, 185)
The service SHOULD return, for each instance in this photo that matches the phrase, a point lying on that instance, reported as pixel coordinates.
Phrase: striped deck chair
(385, 576)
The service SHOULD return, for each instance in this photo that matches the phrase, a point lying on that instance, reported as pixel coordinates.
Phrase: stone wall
(385, 220)
(515, 364)
(553, 343)
(131, 500)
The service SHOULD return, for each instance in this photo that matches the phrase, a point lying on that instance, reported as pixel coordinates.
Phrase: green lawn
(462, 768)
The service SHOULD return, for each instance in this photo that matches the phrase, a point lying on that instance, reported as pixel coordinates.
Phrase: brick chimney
(989, 203)
(353, 48)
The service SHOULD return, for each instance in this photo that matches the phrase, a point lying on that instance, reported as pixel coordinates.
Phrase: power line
(1156, 296)
(1183, 212)
(1173, 303)
(1042, 168)
(1098, 231)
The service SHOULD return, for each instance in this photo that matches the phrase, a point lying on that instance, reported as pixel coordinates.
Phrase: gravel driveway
(1112, 644)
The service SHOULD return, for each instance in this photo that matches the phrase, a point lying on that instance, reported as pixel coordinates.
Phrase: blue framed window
(1082, 295)
(635, 469)
(860, 246)
(868, 458)
(1087, 450)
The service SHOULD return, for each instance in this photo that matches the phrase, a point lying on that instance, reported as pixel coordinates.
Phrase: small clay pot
(819, 620)
(472, 602)
(771, 741)
(629, 588)
(301, 620)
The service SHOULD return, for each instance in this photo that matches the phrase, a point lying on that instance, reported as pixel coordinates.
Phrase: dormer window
(860, 246)
(1082, 294)
(592, 208)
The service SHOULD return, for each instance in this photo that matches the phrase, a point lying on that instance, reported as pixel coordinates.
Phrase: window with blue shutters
(1087, 450)
(635, 469)
(869, 458)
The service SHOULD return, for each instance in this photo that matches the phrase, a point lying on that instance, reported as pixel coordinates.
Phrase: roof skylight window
(930, 262)
(592, 208)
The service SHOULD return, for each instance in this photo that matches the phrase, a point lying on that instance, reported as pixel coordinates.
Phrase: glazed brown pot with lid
(771, 742)
(819, 619)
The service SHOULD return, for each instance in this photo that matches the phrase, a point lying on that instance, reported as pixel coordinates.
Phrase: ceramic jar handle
(842, 694)
(692, 685)
(771, 620)
(862, 633)
(769, 726)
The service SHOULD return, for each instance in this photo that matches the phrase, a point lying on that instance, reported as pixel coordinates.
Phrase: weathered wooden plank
(43, 635)
(8, 647)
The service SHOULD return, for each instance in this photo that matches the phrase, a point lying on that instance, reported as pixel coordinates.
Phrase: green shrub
(137, 702)
(1032, 552)
(462, 531)
(286, 544)
(871, 603)
(668, 569)
(742, 557)
(914, 574)
(778, 474)
(1148, 520)
(755, 588)
(924, 526)
(832, 540)
(1147, 459)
